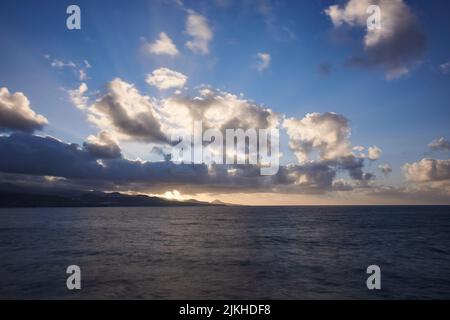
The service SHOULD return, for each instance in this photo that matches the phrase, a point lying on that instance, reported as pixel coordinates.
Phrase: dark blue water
(226, 253)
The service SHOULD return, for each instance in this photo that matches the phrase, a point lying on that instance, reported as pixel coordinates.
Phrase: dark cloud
(354, 166)
(126, 113)
(65, 163)
(16, 113)
(385, 169)
(396, 46)
(102, 146)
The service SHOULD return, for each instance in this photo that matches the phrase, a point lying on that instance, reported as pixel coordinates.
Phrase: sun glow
(173, 195)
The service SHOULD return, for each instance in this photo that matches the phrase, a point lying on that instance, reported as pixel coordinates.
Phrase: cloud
(427, 170)
(440, 144)
(82, 75)
(445, 67)
(57, 63)
(374, 153)
(77, 96)
(121, 112)
(328, 133)
(197, 27)
(48, 157)
(16, 113)
(79, 69)
(102, 146)
(397, 46)
(127, 114)
(353, 165)
(217, 110)
(385, 169)
(324, 139)
(164, 78)
(162, 46)
(264, 60)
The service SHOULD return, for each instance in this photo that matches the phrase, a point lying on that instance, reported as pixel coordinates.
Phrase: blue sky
(401, 116)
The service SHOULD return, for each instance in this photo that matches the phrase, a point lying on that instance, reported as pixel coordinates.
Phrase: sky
(363, 114)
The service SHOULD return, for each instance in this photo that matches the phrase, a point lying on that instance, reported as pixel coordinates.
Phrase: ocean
(226, 252)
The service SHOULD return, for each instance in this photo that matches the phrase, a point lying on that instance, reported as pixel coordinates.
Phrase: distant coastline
(14, 197)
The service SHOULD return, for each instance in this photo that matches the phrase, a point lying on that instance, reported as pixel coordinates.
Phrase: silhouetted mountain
(221, 203)
(15, 196)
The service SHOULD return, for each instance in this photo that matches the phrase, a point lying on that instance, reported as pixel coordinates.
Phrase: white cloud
(264, 60)
(328, 133)
(77, 96)
(374, 153)
(427, 170)
(197, 27)
(162, 46)
(57, 63)
(216, 109)
(82, 75)
(440, 144)
(396, 73)
(164, 78)
(16, 113)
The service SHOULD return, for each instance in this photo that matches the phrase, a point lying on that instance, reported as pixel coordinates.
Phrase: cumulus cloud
(123, 113)
(353, 165)
(16, 113)
(324, 139)
(77, 96)
(328, 133)
(397, 46)
(374, 153)
(164, 78)
(427, 170)
(440, 144)
(217, 110)
(198, 28)
(264, 60)
(127, 114)
(102, 146)
(385, 169)
(162, 46)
